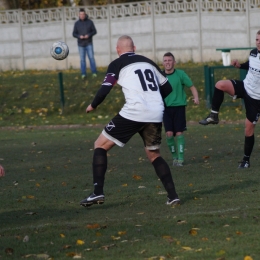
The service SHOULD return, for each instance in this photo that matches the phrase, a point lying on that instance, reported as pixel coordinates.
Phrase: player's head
(257, 40)
(82, 14)
(125, 44)
(168, 62)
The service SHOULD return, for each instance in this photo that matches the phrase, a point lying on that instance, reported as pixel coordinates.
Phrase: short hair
(258, 32)
(169, 54)
(82, 10)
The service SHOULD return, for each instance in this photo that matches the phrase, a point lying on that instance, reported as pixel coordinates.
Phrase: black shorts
(252, 105)
(174, 119)
(120, 130)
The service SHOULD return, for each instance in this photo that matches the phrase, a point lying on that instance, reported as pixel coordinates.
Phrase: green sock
(180, 145)
(171, 144)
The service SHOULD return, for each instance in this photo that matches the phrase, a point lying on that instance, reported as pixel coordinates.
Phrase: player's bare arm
(195, 95)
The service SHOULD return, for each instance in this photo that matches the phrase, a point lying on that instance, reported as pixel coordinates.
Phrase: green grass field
(32, 98)
(48, 171)
(47, 154)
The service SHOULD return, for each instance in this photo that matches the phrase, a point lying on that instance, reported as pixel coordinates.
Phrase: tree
(4, 5)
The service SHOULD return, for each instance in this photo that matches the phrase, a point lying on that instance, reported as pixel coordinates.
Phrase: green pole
(62, 100)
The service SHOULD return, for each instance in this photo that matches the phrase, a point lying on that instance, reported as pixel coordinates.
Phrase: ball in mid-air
(2, 171)
(59, 50)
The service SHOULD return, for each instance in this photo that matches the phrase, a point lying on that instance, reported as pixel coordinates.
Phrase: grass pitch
(48, 171)
(32, 98)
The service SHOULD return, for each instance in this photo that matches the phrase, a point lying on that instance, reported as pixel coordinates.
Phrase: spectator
(84, 30)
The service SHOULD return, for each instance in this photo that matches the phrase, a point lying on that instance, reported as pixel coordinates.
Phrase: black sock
(163, 171)
(248, 147)
(217, 99)
(99, 166)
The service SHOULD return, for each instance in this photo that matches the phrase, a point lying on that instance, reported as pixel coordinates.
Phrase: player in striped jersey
(144, 87)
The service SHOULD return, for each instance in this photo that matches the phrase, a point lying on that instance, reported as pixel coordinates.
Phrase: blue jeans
(83, 51)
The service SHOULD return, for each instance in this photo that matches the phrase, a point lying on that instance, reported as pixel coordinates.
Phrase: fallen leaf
(30, 197)
(181, 222)
(186, 248)
(66, 246)
(62, 235)
(107, 246)
(124, 185)
(115, 238)
(247, 257)
(26, 239)
(30, 213)
(193, 232)
(137, 177)
(80, 242)
(120, 233)
(93, 226)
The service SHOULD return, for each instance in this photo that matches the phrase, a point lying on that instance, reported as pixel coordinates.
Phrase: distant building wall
(191, 29)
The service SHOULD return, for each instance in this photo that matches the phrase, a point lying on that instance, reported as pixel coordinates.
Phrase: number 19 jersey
(140, 79)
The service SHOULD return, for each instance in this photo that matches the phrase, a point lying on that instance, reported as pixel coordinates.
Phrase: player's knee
(220, 85)
(169, 134)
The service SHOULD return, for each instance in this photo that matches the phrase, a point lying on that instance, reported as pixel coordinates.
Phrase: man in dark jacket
(84, 30)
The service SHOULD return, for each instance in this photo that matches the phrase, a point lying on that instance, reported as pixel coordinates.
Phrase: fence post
(153, 30)
(21, 37)
(242, 74)
(109, 32)
(207, 85)
(62, 100)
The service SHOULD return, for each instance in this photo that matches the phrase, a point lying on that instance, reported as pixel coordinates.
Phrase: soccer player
(249, 90)
(144, 87)
(174, 117)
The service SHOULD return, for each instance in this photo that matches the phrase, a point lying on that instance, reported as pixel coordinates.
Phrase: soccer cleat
(243, 164)
(93, 199)
(212, 118)
(94, 75)
(83, 77)
(175, 162)
(179, 163)
(173, 202)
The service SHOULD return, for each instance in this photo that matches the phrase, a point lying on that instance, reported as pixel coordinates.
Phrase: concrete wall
(191, 29)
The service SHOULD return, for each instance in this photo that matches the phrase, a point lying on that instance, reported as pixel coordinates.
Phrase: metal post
(199, 7)
(109, 20)
(153, 30)
(21, 37)
(62, 100)
(207, 85)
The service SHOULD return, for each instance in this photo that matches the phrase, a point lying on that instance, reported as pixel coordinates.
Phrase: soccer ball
(59, 50)
(2, 171)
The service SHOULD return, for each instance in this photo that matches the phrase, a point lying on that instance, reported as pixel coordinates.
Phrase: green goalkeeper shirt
(178, 80)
